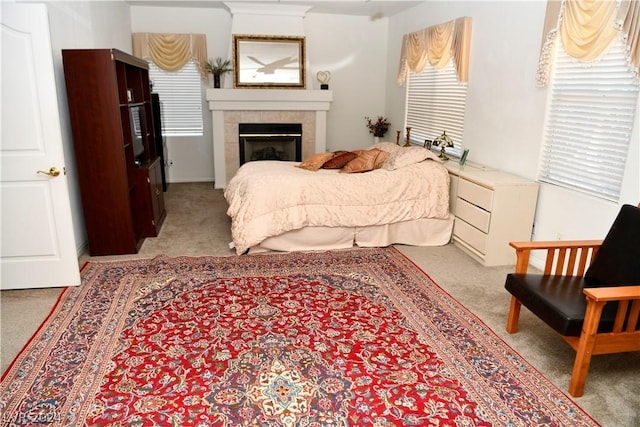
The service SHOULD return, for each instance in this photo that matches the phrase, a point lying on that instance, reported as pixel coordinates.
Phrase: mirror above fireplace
(265, 62)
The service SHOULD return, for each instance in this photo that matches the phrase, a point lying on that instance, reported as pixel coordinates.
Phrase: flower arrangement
(379, 126)
(218, 68)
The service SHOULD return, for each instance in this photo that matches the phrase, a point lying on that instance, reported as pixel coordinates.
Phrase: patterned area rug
(358, 337)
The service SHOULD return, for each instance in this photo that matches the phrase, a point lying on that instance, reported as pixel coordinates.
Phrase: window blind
(589, 123)
(181, 96)
(436, 103)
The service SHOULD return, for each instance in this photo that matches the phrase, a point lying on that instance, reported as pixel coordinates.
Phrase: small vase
(216, 81)
(376, 139)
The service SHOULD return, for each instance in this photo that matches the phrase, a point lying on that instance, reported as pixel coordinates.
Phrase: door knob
(54, 171)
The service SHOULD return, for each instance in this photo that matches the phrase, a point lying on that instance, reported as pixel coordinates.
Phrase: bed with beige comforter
(273, 198)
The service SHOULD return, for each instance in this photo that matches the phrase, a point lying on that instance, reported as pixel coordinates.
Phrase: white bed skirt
(419, 232)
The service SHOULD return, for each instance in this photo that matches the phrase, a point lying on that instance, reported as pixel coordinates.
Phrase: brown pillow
(315, 162)
(365, 161)
(338, 161)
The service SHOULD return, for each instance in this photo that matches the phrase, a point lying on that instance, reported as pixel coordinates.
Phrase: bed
(278, 205)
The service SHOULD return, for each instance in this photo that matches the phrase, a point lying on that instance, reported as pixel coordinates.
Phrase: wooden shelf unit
(106, 89)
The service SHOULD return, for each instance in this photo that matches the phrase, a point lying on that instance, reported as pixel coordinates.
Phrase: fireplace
(269, 141)
(232, 107)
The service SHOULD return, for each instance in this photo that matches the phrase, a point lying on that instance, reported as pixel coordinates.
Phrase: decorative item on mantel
(218, 68)
(398, 137)
(323, 77)
(378, 127)
(443, 141)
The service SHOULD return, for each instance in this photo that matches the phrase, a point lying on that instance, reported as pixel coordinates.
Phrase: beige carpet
(196, 224)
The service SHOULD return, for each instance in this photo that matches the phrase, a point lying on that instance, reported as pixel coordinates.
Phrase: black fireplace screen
(270, 141)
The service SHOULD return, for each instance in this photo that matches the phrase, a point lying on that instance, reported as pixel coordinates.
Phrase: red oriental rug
(359, 337)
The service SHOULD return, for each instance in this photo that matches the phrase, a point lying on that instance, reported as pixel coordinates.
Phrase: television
(137, 133)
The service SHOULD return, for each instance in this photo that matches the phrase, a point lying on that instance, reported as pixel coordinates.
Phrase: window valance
(172, 51)
(586, 28)
(437, 44)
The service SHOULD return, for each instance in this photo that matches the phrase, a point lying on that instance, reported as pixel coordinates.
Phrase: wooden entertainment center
(119, 168)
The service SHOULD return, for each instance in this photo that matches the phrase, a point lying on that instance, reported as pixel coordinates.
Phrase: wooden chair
(589, 292)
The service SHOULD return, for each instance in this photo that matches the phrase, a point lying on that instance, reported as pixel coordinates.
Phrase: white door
(38, 245)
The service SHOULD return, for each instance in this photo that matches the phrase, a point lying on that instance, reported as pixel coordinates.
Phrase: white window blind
(436, 103)
(589, 123)
(181, 96)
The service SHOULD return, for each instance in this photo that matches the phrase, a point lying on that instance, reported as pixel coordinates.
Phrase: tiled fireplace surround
(229, 107)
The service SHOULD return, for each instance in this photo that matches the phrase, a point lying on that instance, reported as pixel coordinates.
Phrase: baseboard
(182, 181)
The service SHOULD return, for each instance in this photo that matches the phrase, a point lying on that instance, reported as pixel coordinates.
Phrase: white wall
(354, 50)
(190, 158)
(82, 25)
(505, 111)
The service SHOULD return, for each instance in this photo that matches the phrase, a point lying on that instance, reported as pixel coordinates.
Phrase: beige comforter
(268, 198)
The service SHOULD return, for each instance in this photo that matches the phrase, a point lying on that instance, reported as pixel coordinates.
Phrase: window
(589, 122)
(436, 103)
(181, 96)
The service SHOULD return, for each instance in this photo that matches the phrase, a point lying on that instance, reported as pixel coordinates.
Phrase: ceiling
(372, 8)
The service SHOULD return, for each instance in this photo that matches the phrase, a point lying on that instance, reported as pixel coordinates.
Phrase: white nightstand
(491, 209)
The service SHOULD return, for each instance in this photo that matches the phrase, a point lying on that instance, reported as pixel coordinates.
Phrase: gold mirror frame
(268, 62)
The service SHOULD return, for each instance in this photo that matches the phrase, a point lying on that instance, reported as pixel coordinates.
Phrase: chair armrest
(626, 317)
(580, 253)
(547, 244)
(615, 293)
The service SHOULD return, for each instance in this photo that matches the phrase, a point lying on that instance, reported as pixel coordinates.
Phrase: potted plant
(218, 68)
(378, 127)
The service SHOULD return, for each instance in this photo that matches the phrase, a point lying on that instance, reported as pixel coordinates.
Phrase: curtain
(436, 45)
(586, 28)
(171, 51)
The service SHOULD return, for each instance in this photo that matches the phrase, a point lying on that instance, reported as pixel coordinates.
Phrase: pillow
(407, 156)
(315, 162)
(338, 152)
(389, 147)
(380, 159)
(365, 161)
(339, 160)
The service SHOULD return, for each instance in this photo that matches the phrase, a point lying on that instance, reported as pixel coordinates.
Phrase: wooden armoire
(119, 169)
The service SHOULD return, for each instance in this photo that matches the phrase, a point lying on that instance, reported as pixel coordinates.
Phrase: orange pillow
(381, 158)
(365, 161)
(338, 161)
(315, 162)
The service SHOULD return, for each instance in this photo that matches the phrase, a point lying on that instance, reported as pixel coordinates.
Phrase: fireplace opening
(270, 141)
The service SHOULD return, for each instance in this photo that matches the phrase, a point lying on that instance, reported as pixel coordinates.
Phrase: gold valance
(172, 51)
(437, 44)
(586, 28)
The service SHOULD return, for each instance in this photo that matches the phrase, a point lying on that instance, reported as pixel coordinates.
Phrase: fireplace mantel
(227, 105)
(269, 99)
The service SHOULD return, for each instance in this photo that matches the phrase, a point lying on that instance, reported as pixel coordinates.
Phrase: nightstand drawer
(472, 214)
(471, 235)
(475, 194)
